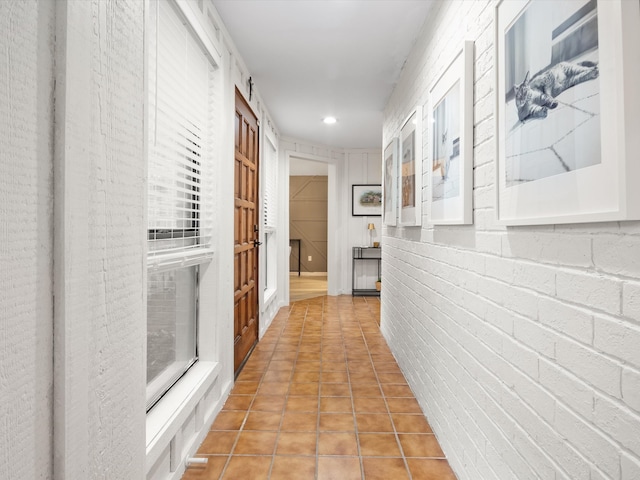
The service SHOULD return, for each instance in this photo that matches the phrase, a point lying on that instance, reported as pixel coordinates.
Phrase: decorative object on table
(411, 169)
(451, 114)
(366, 200)
(376, 244)
(371, 227)
(567, 101)
(379, 284)
(390, 183)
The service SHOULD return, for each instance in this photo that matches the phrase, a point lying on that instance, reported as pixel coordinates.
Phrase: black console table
(364, 255)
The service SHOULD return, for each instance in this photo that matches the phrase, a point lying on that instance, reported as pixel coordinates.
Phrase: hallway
(322, 398)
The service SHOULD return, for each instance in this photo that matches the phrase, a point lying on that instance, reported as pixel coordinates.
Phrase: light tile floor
(322, 398)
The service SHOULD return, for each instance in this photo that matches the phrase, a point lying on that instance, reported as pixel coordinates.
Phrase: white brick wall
(521, 344)
(99, 242)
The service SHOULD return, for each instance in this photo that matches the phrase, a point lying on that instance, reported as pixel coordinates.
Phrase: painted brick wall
(521, 344)
(26, 241)
(99, 245)
(116, 246)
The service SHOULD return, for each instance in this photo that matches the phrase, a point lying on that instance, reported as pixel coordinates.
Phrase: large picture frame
(451, 142)
(410, 199)
(390, 183)
(366, 200)
(567, 118)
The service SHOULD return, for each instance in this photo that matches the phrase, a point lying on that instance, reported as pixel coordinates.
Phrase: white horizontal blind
(181, 104)
(269, 201)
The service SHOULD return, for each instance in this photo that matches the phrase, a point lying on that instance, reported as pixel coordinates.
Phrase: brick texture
(521, 344)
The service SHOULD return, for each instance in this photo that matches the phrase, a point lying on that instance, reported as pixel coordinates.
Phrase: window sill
(167, 416)
(168, 376)
(269, 296)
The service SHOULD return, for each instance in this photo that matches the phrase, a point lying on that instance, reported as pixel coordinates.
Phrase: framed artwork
(389, 187)
(567, 111)
(410, 200)
(451, 146)
(366, 200)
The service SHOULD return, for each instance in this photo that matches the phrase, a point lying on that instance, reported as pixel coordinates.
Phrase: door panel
(246, 221)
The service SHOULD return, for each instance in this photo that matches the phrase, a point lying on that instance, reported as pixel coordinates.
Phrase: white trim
(192, 22)
(196, 256)
(167, 376)
(168, 415)
(333, 219)
(269, 296)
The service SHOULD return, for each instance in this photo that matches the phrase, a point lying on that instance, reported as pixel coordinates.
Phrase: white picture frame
(576, 161)
(390, 183)
(450, 175)
(410, 170)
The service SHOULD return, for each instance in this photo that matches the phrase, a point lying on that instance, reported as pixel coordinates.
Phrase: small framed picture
(567, 111)
(390, 173)
(411, 170)
(366, 200)
(451, 146)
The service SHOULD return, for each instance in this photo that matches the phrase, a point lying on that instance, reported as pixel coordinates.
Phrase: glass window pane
(171, 327)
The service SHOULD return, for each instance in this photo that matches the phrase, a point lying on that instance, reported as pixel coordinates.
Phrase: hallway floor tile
(322, 398)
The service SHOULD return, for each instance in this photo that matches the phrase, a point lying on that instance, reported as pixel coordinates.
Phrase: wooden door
(246, 233)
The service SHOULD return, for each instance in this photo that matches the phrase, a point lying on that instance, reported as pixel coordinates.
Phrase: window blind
(270, 201)
(181, 103)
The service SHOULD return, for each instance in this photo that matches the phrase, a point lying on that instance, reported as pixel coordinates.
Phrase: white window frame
(269, 219)
(166, 419)
(176, 125)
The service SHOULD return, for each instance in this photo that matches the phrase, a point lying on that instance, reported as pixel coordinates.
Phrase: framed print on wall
(451, 146)
(390, 182)
(411, 170)
(567, 98)
(366, 200)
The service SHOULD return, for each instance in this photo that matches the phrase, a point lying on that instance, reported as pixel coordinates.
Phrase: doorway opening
(308, 228)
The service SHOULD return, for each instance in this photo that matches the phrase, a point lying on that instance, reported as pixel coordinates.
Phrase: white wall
(521, 344)
(306, 167)
(26, 239)
(363, 167)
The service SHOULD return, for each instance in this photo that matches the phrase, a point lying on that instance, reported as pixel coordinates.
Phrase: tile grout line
(317, 456)
(353, 406)
(286, 397)
(384, 398)
(249, 410)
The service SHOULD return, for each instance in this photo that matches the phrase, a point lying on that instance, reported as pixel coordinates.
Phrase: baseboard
(308, 274)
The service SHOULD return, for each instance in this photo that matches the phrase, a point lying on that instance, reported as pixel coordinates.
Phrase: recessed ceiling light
(329, 120)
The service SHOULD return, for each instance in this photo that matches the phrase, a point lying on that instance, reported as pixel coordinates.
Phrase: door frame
(333, 222)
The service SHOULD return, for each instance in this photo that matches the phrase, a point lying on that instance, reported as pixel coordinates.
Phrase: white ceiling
(313, 58)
